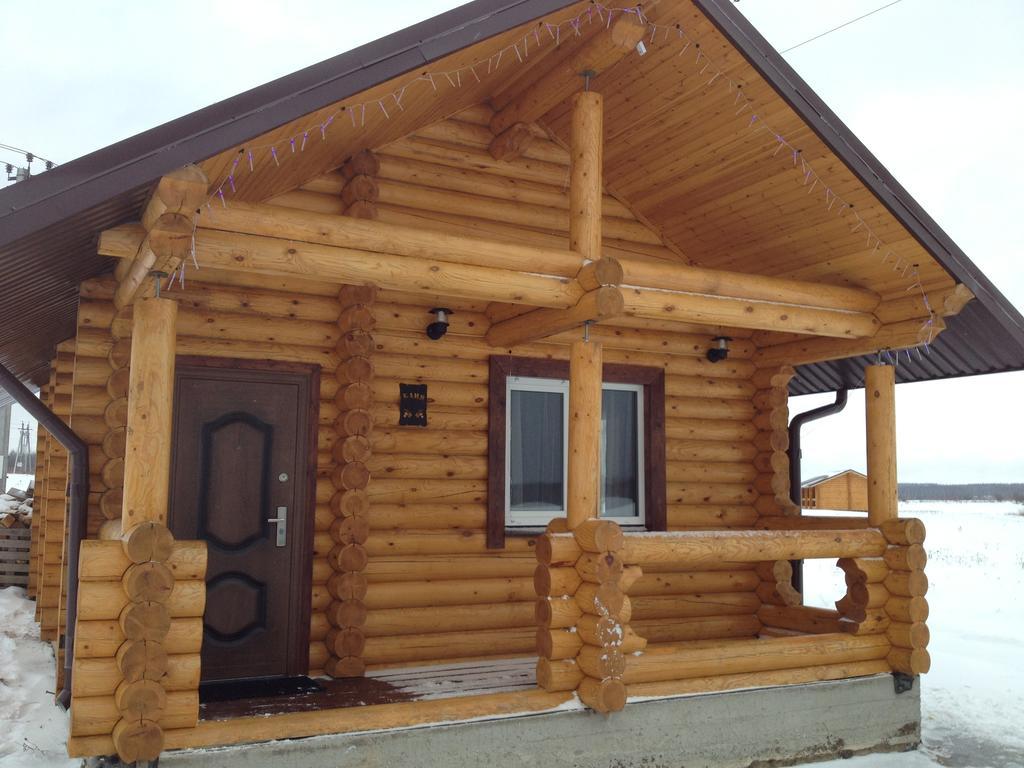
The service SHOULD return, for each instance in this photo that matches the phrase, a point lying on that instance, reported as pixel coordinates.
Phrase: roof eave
(848, 148)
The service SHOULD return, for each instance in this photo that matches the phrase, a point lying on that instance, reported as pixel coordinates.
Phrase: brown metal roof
(48, 224)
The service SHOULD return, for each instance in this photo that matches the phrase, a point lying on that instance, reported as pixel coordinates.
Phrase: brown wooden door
(242, 443)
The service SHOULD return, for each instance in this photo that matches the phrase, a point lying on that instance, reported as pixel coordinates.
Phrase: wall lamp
(721, 351)
(439, 327)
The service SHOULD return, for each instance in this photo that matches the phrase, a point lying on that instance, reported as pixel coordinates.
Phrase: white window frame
(540, 518)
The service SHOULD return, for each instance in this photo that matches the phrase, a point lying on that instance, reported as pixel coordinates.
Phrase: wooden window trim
(653, 381)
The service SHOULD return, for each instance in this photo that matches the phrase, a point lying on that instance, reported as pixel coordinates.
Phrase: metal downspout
(794, 462)
(78, 493)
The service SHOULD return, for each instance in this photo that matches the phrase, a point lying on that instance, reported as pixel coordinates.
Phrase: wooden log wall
(135, 675)
(52, 585)
(100, 410)
(352, 452)
(285, 321)
(360, 191)
(428, 487)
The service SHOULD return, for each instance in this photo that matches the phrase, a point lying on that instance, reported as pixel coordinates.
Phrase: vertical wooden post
(145, 620)
(583, 491)
(585, 362)
(585, 185)
(147, 458)
(880, 407)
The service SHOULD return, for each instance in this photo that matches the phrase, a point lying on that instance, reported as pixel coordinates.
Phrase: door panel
(241, 453)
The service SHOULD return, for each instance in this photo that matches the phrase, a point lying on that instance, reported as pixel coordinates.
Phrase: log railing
(585, 642)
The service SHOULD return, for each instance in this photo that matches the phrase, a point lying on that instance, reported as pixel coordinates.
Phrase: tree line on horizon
(961, 492)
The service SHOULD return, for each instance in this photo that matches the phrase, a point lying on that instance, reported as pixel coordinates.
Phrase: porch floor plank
(389, 686)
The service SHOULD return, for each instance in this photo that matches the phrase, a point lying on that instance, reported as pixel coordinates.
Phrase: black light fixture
(721, 351)
(439, 327)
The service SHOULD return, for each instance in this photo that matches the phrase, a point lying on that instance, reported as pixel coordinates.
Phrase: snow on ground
(21, 482)
(972, 699)
(33, 730)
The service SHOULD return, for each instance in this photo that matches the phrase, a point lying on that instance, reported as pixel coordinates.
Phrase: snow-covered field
(973, 698)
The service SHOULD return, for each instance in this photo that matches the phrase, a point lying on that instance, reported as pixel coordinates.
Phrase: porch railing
(586, 644)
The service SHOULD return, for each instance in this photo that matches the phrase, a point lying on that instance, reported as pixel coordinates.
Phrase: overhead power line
(841, 26)
(17, 172)
(30, 156)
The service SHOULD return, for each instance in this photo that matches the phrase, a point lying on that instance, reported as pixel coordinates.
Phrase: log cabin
(446, 382)
(846, 490)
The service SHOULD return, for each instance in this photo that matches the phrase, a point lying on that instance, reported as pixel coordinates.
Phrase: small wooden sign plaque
(412, 402)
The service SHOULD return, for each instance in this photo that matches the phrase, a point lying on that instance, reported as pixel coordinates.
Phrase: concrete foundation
(762, 727)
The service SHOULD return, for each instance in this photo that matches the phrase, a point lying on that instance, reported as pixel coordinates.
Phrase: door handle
(282, 525)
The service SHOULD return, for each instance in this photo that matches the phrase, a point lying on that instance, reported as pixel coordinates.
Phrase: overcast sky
(932, 87)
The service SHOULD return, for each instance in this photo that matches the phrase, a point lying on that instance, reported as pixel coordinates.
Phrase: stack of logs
(862, 607)
(771, 419)
(350, 504)
(905, 586)
(145, 622)
(51, 493)
(138, 639)
(776, 587)
(360, 193)
(116, 418)
(583, 635)
(886, 595)
(772, 482)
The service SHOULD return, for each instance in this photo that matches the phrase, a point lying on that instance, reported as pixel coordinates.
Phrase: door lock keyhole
(283, 477)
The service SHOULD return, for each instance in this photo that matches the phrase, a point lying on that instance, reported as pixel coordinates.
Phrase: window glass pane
(536, 451)
(620, 485)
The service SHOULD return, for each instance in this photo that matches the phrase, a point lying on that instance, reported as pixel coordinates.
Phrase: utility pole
(5, 441)
(18, 173)
(24, 457)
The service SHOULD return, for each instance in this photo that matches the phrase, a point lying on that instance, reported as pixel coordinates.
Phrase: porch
(782, 724)
(589, 651)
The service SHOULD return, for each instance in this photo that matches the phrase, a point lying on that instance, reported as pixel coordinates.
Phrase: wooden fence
(14, 546)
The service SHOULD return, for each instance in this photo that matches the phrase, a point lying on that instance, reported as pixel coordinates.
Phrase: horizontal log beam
(946, 302)
(241, 730)
(563, 78)
(757, 655)
(711, 309)
(278, 257)
(594, 306)
(674, 292)
(700, 547)
(382, 237)
(739, 285)
(904, 335)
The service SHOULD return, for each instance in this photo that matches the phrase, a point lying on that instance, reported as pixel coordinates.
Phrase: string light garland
(355, 117)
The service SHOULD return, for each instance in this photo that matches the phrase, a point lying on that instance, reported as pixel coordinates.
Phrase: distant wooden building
(847, 490)
(483, 358)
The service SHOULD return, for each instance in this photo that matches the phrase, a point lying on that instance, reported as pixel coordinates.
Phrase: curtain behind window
(536, 450)
(621, 485)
